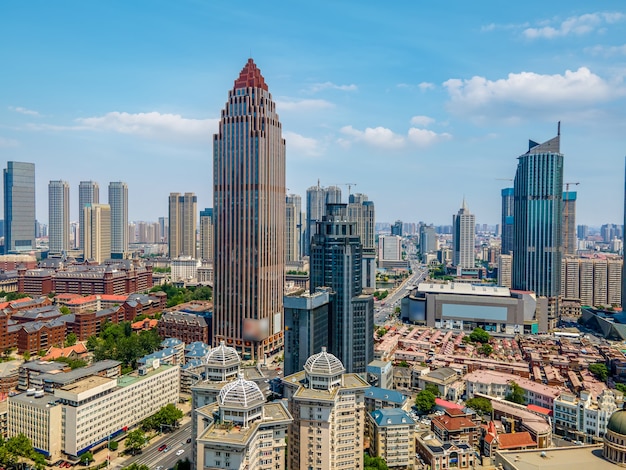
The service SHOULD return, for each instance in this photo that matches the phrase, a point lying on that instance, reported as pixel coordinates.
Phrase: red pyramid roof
(250, 76)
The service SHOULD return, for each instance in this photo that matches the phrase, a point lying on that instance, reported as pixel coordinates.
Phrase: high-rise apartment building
(316, 199)
(164, 227)
(293, 226)
(183, 221)
(582, 232)
(362, 212)
(97, 241)
(463, 237)
(505, 264)
(396, 228)
(88, 193)
(428, 240)
(507, 220)
(19, 207)
(249, 209)
(118, 201)
(569, 223)
(206, 234)
(537, 245)
(389, 248)
(595, 282)
(623, 296)
(58, 216)
(336, 262)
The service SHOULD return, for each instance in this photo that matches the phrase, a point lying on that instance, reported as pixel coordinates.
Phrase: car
(180, 452)
(166, 449)
(162, 447)
(188, 440)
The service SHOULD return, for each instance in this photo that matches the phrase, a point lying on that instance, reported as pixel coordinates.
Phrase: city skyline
(401, 103)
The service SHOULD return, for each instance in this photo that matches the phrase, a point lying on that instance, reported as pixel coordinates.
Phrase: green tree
(479, 336)
(73, 363)
(86, 458)
(516, 395)
(11, 296)
(183, 465)
(381, 332)
(113, 445)
(167, 417)
(486, 349)
(70, 340)
(480, 405)
(432, 388)
(403, 364)
(600, 371)
(397, 310)
(26, 355)
(374, 463)
(65, 310)
(135, 440)
(425, 401)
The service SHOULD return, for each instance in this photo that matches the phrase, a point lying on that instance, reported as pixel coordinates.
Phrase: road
(151, 456)
(382, 313)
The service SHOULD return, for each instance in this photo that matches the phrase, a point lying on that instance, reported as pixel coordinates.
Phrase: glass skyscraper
(249, 219)
(58, 216)
(538, 203)
(19, 207)
(507, 220)
(118, 201)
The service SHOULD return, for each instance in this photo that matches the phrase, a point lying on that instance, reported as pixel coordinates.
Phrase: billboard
(255, 330)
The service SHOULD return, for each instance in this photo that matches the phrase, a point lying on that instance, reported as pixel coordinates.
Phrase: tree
(600, 371)
(113, 445)
(65, 310)
(381, 332)
(70, 340)
(168, 417)
(486, 349)
(516, 395)
(26, 355)
(374, 463)
(479, 336)
(397, 310)
(86, 458)
(183, 465)
(480, 405)
(403, 364)
(425, 401)
(135, 440)
(432, 388)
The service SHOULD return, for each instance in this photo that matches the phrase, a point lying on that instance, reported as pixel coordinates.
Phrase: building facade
(118, 202)
(362, 211)
(293, 227)
(206, 235)
(390, 433)
(249, 210)
(88, 193)
(182, 229)
(97, 232)
(463, 237)
(19, 207)
(58, 216)
(507, 220)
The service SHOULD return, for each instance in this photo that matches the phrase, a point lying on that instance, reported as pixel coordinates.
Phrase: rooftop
(558, 458)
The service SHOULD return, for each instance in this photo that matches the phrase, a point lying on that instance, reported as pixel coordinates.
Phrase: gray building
(293, 227)
(118, 200)
(463, 237)
(88, 193)
(58, 216)
(362, 211)
(507, 221)
(19, 207)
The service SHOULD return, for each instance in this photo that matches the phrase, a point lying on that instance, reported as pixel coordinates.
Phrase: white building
(389, 248)
(184, 268)
(463, 237)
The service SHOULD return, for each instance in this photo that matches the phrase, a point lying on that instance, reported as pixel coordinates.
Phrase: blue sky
(420, 105)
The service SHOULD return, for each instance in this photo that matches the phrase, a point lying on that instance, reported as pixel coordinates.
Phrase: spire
(250, 76)
(464, 205)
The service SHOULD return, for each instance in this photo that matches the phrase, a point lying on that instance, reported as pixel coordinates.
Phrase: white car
(180, 452)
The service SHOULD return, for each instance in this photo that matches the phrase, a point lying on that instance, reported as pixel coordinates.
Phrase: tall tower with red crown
(249, 217)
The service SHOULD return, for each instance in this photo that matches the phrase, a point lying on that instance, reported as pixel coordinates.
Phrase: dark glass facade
(19, 207)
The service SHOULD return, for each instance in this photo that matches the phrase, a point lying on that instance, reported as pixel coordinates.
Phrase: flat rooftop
(559, 458)
(86, 384)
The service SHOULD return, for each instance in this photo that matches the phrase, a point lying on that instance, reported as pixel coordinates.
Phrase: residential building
(185, 326)
(390, 433)
(206, 235)
(88, 193)
(362, 211)
(593, 281)
(249, 266)
(396, 228)
(182, 225)
(184, 268)
(380, 374)
(505, 266)
(336, 262)
(19, 207)
(377, 398)
(118, 202)
(463, 237)
(570, 244)
(328, 409)
(293, 227)
(507, 220)
(58, 216)
(438, 454)
(97, 232)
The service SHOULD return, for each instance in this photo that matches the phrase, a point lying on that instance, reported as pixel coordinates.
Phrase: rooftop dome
(324, 364)
(222, 355)
(241, 394)
(617, 423)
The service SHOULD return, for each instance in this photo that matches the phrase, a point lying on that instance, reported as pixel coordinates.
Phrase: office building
(328, 409)
(118, 202)
(88, 193)
(182, 221)
(396, 228)
(19, 207)
(505, 265)
(389, 248)
(336, 262)
(316, 199)
(463, 237)
(249, 219)
(569, 223)
(164, 227)
(428, 240)
(537, 246)
(206, 235)
(97, 233)
(58, 216)
(507, 220)
(293, 226)
(362, 211)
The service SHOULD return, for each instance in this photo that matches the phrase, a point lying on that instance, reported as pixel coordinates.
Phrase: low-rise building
(390, 433)
(380, 374)
(185, 326)
(438, 454)
(377, 398)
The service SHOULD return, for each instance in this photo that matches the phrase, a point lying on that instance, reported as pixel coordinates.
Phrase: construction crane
(566, 216)
(349, 185)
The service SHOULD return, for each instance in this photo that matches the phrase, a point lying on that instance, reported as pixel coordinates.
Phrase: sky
(416, 104)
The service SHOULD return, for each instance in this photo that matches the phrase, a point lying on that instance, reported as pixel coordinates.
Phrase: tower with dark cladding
(249, 219)
(624, 264)
(538, 202)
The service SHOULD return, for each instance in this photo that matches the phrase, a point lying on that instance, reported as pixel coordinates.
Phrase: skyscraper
(336, 262)
(58, 216)
(183, 220)
(118, 201)
(293, 225)
(396, 228)
(537, 246)
(249, 219)
(507, 220)
(362, 211)
(569, 223)
(97, 232)
(88, 193)
(316, 199)
(623, 296)
(19, 207)
(206, 234)
(463, 237)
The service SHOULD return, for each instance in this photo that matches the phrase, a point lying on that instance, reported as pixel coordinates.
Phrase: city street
(382, 313)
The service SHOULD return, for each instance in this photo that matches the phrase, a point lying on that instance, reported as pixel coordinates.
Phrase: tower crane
(349, 185)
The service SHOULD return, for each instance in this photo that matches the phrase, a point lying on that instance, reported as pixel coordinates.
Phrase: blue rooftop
(393, 396)
(170, 342)
(162, 354)
(391, 417)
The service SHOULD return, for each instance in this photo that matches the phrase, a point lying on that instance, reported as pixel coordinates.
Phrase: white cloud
(21, 110)
(331, 86)
(426, 137)
(573, 90)
(606, 51)
(287, 104)
(575, 25)
(423, 121)
(300, 145)
(153, 124)
(426, 86)
(375, 136)
(5, 143)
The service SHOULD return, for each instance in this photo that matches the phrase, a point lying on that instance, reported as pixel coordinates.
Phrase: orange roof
(55, 353)
(114, 298)
(454, 424)
(540, 409)
(516, 440)
(138, 325)
(19, 301)
(67, 296)
(82, 300)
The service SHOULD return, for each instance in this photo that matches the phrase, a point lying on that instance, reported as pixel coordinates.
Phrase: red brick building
(186, 327)
(39, 336)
